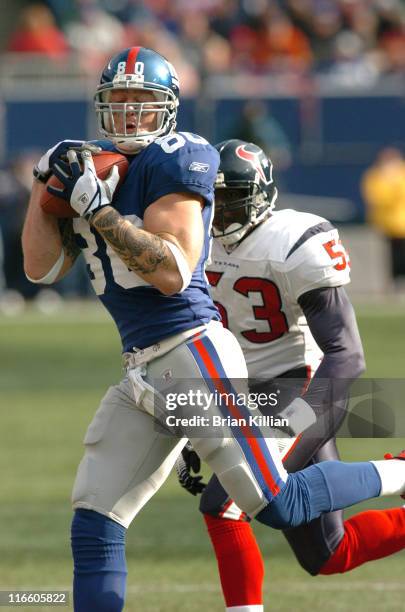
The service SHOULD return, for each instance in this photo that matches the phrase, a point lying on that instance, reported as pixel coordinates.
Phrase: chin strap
(133, 149)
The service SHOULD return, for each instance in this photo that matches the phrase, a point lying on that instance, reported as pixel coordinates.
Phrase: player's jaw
(130, 112)
(231, 205)
(128, 120)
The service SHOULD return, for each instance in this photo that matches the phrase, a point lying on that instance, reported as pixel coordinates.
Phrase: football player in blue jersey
(146, 247)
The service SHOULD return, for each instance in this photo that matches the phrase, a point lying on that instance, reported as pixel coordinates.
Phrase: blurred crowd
(352, 42)
(356, 39)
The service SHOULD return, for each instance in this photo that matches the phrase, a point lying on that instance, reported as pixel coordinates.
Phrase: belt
(142, 356)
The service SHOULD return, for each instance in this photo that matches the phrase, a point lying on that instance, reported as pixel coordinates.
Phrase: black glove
(187, 461)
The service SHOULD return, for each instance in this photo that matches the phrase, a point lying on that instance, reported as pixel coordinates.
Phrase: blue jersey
(180, 162)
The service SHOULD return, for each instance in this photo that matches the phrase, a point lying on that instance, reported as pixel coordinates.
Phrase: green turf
(53, 371)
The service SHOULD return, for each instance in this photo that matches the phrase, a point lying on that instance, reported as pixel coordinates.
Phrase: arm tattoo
(68, 240)
(141, 251)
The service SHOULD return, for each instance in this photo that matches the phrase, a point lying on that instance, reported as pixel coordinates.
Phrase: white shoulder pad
(283, 230)
(318, 259)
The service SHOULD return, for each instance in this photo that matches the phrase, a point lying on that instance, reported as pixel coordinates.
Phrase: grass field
(53, 371)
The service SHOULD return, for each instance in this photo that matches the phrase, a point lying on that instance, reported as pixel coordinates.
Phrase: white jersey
(256, 288)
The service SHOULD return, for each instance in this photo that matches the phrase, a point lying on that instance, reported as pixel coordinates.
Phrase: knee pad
(98, 547)
(241, 485)
(225, 458)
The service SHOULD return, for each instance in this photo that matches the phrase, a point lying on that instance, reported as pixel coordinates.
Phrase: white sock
(392, 474)
(255, 608)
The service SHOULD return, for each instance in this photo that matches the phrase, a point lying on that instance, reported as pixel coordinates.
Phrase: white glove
(43, 168)
(85, 192)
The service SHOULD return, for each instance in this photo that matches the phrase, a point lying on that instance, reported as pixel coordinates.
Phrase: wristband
(182, 264)
(52, 275)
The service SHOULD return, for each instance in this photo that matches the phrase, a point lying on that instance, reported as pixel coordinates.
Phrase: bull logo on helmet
(254, 160)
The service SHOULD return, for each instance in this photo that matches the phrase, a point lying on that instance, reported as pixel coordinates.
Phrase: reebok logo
(198, 167)
(84, 198)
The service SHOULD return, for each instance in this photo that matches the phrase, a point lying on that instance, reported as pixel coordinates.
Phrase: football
(103, 161)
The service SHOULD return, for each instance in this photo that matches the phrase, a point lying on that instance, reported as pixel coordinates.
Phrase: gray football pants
(130, 449)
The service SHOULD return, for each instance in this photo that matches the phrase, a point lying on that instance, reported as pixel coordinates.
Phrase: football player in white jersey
(278, 280)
